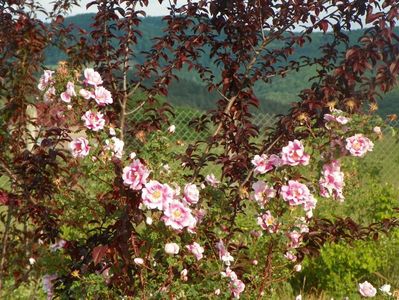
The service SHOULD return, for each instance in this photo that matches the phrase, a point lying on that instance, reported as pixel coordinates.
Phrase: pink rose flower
(48, 285)
(115, 145)
(295, 193)
(178, 216)
(290, 256)
(261, 165)
(172, 248)
(45, 80)
(93, 120)
(196, 249)
(295, 239)
(294, 154)
(183, 275)
(358, 145)
(69, 93)
(211, 180)
(386, 289)
(229, 273)
(224, 255)
(367, 290)
(332, 181)
(236, 287)
(377, 130)
(264, 163)
(49, 95)
(298, 268)
(191, 194)
(199, 214)
(336, 117)
(86, 94)
(156, 195)
(135, 175)
(92, 77)
(138, 261)
(310, 205)
(60, 244)
(102, 96)
(79, 147)
(267, 222)
(172, 129)
(262, 193)
(301, 223)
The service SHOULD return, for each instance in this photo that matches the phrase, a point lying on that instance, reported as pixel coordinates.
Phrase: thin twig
(267, 272)
(136, 109)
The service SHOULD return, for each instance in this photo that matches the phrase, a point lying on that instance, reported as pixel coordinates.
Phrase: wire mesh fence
(385, 156)
(384, 159)
(185, 132)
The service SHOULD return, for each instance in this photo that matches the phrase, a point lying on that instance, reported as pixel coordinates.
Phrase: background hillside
(190, 91)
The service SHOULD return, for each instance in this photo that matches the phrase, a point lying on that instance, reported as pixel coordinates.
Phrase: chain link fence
(186, 133)
(384, 159)
(385, 156)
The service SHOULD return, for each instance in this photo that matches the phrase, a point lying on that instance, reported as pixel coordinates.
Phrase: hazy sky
(153, 9)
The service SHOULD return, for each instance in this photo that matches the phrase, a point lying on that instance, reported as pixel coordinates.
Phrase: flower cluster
(367, 290)
(332, 181)
(94, 90)
(336, 117)
(264, 163)
(155, 195)
(292, 155)
(69, 92)
(236, 285)
(296, 193)
(93, 119)
(196, 250)
(179, 207)
(115, 146)
(211, 180)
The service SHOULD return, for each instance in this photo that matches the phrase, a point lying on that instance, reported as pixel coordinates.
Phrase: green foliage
(90, 287)
(28, 290)
(340, 267)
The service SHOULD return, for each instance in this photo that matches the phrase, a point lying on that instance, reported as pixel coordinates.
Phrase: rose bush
(107, 204)
(190, 217)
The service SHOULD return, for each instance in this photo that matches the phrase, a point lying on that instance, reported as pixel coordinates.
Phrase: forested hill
(190, 91)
